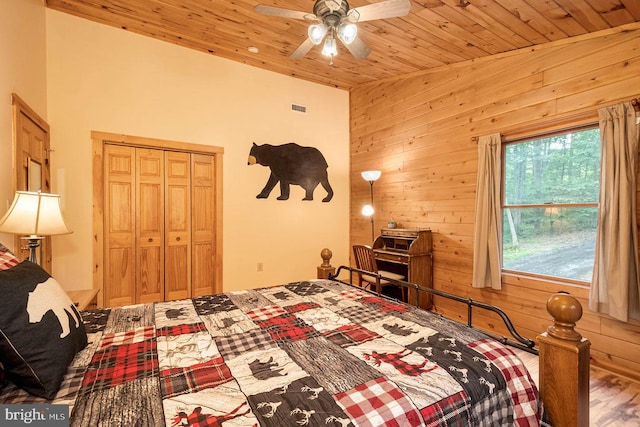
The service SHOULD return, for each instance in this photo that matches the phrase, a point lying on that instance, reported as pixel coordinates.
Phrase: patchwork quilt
(311, 353)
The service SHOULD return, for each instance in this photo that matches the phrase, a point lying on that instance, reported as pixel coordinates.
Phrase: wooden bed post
(325, 269)
(564, 364)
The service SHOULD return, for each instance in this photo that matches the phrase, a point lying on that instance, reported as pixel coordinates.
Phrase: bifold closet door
(119, 225)
(150, 232)
(159, 225)
(203, 210)
(178, 225)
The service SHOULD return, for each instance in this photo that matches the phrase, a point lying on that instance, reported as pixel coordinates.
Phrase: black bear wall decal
(291, 164)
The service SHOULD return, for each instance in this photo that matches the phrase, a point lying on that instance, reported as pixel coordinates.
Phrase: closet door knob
(177, 239)
(150, 239)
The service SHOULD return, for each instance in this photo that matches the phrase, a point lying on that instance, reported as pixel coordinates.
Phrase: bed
(306, 353)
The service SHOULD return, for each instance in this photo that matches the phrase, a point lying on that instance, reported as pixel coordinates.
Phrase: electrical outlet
(260, 266)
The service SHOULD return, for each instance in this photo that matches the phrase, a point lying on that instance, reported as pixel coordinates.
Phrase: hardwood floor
(614, 400)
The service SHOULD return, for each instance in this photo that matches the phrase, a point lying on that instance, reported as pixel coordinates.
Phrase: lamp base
(33, 244)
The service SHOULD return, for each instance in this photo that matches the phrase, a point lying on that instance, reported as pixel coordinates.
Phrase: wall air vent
(300, 108)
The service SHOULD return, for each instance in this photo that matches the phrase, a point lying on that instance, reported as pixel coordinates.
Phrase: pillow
(7, 259)
(40, 329)
(2, 380)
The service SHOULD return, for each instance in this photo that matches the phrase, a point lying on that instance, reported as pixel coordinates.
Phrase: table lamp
(35, 214)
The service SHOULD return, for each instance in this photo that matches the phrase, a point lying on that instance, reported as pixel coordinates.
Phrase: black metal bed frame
(520, 342)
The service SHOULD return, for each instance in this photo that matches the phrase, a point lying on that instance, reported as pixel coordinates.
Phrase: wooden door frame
(99, 140)
(22, 109)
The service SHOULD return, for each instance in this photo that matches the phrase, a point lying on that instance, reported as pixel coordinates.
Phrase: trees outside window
(550, 204)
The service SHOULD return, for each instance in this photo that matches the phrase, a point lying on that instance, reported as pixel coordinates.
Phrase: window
(550, 204)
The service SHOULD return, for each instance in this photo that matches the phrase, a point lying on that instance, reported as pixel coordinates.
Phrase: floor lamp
(367, 210)
(36, 215)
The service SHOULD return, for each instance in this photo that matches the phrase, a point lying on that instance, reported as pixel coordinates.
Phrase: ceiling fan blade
(284, 13)
(382, 10)
(358, 48)
(302, 50)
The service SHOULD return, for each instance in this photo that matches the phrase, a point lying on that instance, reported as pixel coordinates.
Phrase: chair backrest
(364, 258)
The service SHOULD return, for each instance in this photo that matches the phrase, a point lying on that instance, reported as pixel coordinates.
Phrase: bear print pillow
(40, 329)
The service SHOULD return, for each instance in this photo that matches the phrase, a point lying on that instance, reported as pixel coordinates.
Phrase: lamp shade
(34, 214)
(371, 175)
(316, 33)
(347, 32)
(330, 48)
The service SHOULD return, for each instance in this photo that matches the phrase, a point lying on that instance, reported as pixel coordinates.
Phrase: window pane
(556, 169)
(554, 241)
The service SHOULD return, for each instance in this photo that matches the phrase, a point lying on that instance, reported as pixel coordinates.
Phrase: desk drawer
(398, 258)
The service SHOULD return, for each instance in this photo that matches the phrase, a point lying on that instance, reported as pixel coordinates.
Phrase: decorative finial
(565, 311)
(326, 255)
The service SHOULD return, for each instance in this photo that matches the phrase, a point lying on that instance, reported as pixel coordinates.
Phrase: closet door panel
(203, 224)
(150, 225)
(119, 225)
(178, 225)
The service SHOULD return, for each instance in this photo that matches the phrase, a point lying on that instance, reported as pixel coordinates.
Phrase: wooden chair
(367, 262)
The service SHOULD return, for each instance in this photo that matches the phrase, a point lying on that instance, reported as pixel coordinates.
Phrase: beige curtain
(615, 287)
(487, 236)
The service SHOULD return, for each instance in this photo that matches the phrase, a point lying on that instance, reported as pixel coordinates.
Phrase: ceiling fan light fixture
(347, 32)
(317, 33)
(330, 49)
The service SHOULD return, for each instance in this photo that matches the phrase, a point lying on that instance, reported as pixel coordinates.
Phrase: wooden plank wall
(420, 129)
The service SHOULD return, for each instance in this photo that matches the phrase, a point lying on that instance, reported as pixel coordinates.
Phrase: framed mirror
(34, 175)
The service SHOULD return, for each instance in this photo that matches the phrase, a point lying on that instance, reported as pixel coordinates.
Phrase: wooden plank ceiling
(435, 33)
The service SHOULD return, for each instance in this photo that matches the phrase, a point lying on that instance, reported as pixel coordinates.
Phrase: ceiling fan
(333, 19)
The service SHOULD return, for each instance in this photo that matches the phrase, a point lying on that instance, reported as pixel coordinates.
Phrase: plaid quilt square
(66, 395)
(301, 307)
(495, 409)
(524, 392)
(349, 335)
(306, 288)
(129, 337)
(362, 315)
(288, 327)
(266, 313)
(450, 411)
(235, 345)
(177, 381)
(117, 365)
(379, 402)
(354, 294)
(181, 329)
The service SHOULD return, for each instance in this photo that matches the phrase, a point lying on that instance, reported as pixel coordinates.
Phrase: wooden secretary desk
(407, 252)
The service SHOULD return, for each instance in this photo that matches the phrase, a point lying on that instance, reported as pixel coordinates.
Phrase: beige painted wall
(22, 71)
(106, 79)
